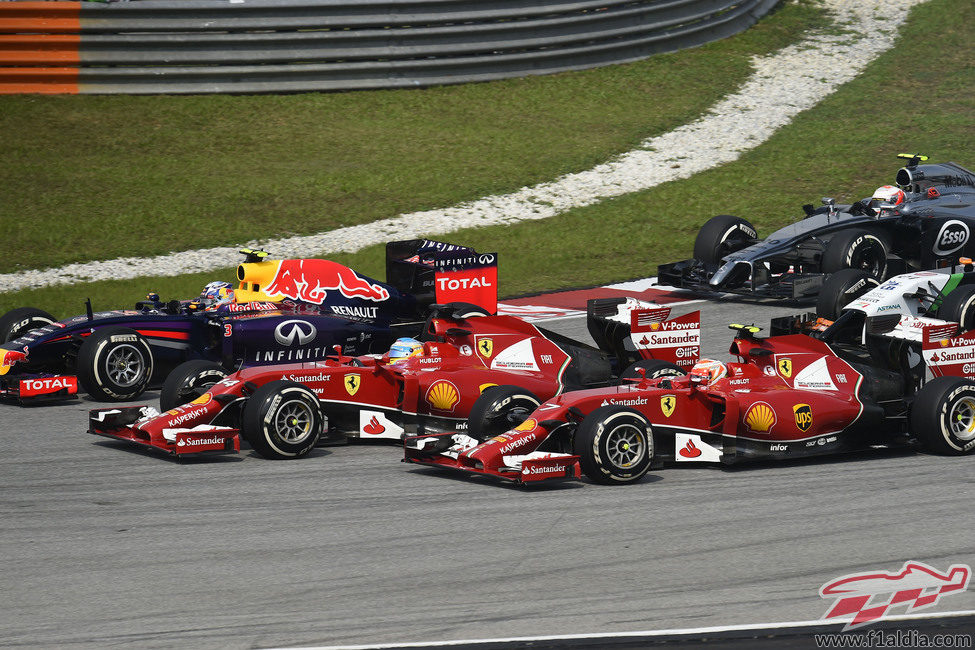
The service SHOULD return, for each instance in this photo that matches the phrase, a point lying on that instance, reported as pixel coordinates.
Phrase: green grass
(87, 177)
(844, 148)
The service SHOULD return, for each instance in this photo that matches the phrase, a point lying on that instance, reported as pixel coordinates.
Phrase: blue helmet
(404, 348)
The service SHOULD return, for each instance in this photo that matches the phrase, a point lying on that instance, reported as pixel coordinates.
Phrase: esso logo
(952, 236)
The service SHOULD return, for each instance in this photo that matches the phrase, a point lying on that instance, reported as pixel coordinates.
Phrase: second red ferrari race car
(489, 370)
(788, 396)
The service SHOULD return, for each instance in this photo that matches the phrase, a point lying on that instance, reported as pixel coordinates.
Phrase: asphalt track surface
(105, 545)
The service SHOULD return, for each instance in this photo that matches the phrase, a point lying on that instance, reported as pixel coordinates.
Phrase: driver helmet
(887, 197)
(404, 348)
(708, 371)
(216, 294)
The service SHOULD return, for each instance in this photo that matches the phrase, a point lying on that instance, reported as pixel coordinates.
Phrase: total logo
(47, 385)
(453, 284)
(291, 332)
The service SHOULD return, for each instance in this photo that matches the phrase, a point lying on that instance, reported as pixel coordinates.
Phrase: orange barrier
(40, 17)
(35, 36)
(46, 81)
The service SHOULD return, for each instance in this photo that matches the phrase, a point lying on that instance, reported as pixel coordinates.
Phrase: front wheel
(17, 322)
(959, 307)
(722, 235)
(842, 288)
(856, 249)
(614, 445)
(943, 416)
(114, 364)
(500, 409)
(188, 381)
(282, 419)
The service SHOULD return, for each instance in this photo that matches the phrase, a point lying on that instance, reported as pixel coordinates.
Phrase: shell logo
(443, 395)
(654, 327)
(760, 418)
(202, 399)
(527, 425)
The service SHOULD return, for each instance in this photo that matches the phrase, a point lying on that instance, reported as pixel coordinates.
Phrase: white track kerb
(784, 84)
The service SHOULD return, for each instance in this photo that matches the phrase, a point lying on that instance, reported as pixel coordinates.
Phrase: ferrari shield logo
(667, 404)
(351, 383)
(803, 416)
(485, 347)
(785, 367)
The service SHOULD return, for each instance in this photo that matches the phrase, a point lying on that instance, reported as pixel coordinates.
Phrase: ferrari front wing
(122, 423)
(447, 450)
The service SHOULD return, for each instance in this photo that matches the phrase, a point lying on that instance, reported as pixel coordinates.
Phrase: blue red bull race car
(280, 311)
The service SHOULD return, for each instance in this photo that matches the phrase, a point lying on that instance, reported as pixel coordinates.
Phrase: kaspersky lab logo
(291, 331)
(869, 596)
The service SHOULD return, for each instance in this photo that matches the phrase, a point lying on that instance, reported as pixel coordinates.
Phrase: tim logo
(866, 597)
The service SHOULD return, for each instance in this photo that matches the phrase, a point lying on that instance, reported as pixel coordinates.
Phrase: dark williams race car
(924, 222)
(281, 310)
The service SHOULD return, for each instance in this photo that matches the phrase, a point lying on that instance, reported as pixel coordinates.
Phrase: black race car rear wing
(439, 273)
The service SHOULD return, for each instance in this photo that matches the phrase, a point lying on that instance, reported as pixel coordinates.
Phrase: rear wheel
(959, 307)
(188, 381)
(114, 364)
(17, 322)
(856, 249)
(614, 445)
(943, 416)
(840, 289)
(652, 369)
(722, 235)
(282, 420)
(500, 409)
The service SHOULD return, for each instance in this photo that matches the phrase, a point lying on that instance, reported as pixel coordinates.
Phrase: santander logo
(690, 450)
(373, 428)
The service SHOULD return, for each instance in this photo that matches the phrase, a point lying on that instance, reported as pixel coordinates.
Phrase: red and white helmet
(887, 197)
(708, 371)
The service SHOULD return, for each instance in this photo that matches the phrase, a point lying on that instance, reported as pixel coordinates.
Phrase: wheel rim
(871, 260)
(125, 365)
(625, 445)
(962, 419)
(293, 421)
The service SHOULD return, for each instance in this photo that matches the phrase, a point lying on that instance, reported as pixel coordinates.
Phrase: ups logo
(804, 416)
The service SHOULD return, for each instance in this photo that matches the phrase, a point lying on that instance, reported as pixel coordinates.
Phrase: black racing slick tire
(959, 307)
(856, 249)
(943, 416)
(17, 322)
(652, 369)
(282, 420)
(614, 445)
(188, 381)
(722, 235)
(114, 364)
(500, 409)
(466, 310)
(840, 289)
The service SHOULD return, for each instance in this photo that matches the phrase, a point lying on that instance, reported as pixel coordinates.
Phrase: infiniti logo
(290, 330)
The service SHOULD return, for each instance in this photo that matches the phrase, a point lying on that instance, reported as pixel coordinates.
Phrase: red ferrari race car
(419, 387)
(788, 396)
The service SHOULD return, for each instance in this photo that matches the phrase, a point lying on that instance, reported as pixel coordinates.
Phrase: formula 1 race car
(281, 310)
(923, 223)
(504, 364)
(788, 396)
